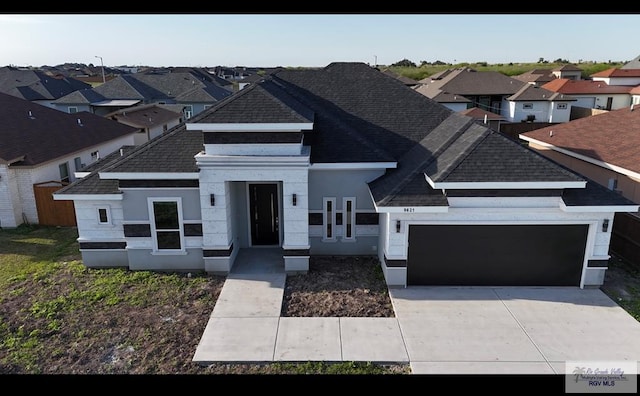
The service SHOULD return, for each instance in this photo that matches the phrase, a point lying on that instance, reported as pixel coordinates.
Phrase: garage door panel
(496, 255)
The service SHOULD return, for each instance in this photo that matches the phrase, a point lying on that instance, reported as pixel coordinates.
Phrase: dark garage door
(496, 255)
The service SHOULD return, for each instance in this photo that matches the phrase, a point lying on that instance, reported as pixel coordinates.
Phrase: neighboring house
(452, 101)
(534, 104)
(570, 72)
(615, 76)
(539, 77)
(536, 77)
(37, 86)
(187, 89)
(492, 120)
(632, 64)
(493, 91)
(603, 148)
(40, 144)
(152, 120)
(345, 160)
(592, 94)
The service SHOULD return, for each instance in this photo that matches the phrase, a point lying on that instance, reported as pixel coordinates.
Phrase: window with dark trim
(103, 215)
(64, 172)
(166, 224)
(329, 218)
(349, 217)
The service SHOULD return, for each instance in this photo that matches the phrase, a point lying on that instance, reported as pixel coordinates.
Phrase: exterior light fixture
(397, 225)
(294, 199)
(605, 225)
(213, 199)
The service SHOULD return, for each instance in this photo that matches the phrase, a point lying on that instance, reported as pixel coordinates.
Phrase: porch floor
(259, 260)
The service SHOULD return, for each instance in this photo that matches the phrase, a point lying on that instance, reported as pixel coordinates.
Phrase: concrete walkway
(437, 330)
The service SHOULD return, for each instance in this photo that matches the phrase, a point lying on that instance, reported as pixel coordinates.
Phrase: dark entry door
(263, 202)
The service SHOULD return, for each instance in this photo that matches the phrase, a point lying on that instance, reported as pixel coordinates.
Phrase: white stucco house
(39, 144)
(346, 160)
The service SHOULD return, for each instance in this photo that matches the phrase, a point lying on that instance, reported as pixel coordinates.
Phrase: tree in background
(404, 63)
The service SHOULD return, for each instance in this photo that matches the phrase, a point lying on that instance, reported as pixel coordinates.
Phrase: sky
(313, 40)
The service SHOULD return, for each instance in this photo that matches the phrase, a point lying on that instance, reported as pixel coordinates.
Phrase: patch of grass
(59, 317)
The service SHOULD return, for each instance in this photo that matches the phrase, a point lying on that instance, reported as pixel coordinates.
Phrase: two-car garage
(496, 255)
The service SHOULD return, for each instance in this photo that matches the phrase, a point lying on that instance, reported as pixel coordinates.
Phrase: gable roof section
(467, 81)
(632, 64)
(531, 93)
(479, 114)
(144, 116)
(581, 87)
(259, 103)
(440, 96)
(167, 87)
(612, 138)
(614, 72)
(495, 158)
(36, 85)
(49, 133)
(540, 76)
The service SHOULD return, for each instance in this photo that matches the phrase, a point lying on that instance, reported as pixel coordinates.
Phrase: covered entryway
(496, 255)
(263, 212)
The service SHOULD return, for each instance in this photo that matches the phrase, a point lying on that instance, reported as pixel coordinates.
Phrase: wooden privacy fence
(51, 212)
(625, 237)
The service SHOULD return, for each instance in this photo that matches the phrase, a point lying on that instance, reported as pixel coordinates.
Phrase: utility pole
(102, 64)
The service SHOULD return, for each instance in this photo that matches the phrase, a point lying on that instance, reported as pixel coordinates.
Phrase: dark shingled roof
(360, 114)
(36, 85)
(109, 159)
(260, 103)
(531, 93)
(166, 87)
(49, 133)
(593, 195)
(467, 81)
(497, 158)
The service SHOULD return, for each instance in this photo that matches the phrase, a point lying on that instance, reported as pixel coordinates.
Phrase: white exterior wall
(501, 211)
(217, 220)
(633, 81)
(10, 204)
(50, 171)
(540, 110)
(24, 182)
(619, 101)
(254, 149)
(559, 115)
(89, 228)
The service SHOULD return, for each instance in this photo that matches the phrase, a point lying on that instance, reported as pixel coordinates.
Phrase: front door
(263, 204)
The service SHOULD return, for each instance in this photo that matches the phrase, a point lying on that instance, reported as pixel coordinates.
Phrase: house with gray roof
(36, 86)
(346, 160)
(40, 145)
(152, 119)
(192, 91)
(492, 91)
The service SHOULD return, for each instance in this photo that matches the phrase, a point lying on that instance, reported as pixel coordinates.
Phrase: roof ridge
(286, 86)
(420, 167)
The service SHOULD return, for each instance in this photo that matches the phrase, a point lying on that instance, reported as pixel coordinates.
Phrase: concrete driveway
(511, 330)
